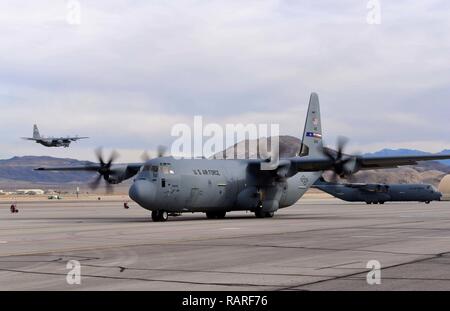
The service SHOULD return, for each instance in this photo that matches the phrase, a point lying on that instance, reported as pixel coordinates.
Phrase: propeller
(161, 152)
(343, 165)
(104, 172)
(145, 157)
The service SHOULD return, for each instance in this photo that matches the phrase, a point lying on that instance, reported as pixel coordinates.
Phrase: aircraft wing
(76, 138)
(368, 163)
(305, 164)
(29, 138)
(87, 168)
(69, 139)
(91, 167)
(115, 174)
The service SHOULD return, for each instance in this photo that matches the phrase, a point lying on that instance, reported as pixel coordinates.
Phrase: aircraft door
(229, 189)
(169, 185)
(192, 191)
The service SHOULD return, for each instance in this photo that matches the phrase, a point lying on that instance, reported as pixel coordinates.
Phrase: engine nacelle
(249, 198)
(118, 174)
(351, 167)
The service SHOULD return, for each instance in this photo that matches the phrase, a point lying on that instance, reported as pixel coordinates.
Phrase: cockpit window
(154, 169)
(166, 169)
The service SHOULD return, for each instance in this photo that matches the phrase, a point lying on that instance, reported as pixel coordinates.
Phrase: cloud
(133, 69)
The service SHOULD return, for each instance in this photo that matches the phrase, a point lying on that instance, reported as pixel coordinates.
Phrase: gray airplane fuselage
(201, 185)
(51, 142)
(380, 193)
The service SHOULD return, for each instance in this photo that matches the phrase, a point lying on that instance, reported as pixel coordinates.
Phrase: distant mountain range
(406, 152)
(18, 172)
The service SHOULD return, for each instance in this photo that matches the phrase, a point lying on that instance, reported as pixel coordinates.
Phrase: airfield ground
(318, 244)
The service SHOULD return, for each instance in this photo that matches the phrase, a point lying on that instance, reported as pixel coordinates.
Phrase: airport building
(444, 187)
(30, 192)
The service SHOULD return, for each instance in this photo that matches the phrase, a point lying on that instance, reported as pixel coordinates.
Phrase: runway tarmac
(314, 245)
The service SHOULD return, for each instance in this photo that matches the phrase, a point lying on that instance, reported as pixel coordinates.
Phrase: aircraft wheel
(368, 203)
(221, 215)
(427, 202)
(163, 216)
(155, 216)
(211, 215)
(259, 213)
(269, 214)
(381, 202)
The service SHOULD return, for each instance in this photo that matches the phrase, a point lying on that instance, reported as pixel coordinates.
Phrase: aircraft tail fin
(312, 136)
(36, 134)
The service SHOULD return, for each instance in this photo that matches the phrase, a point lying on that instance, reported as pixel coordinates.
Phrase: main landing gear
(260, 214)
(216, 215)
(377, 202)
(160, 216)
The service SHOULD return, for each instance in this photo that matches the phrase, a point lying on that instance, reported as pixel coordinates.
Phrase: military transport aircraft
(379, 193)
(169, 186)
(52, 141)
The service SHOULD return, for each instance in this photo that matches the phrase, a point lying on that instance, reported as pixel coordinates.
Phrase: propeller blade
(109, 188)
(112, 158)
(329, 154)
(342, 142)
(343, 165)
(96, 183)
(162, 151)
(99, 155)
(104, 171)
(145, 157)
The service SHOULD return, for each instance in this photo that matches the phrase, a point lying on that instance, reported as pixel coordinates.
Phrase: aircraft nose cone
(143, 192)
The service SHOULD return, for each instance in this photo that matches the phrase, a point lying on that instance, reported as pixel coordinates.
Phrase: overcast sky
(132, 69)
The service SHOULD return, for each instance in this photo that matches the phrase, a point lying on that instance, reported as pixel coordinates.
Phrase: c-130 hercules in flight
(52, 141)
(166, 185)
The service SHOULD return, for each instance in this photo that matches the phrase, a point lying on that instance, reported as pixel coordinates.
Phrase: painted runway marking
(368, 236)
(430, 237)
(231, 228)
(3, 242)
(410, 237)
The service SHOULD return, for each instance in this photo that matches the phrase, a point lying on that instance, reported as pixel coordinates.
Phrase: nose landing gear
(160, 216)
(260, 214)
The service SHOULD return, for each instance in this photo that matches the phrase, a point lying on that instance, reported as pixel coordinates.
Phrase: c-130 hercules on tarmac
(166, 185)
